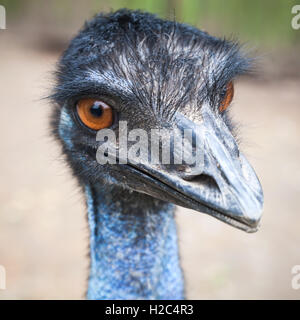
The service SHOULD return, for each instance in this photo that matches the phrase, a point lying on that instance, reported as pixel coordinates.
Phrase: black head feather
(148, 67)
(163, 64)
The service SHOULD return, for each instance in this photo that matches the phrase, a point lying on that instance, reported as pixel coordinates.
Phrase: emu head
(153, 74)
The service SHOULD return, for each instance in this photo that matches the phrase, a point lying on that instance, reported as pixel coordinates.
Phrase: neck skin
(133, 246)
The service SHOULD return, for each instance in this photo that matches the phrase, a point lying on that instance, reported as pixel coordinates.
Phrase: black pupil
(96, 110)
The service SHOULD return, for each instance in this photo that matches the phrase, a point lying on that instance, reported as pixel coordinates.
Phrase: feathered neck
(133, 246)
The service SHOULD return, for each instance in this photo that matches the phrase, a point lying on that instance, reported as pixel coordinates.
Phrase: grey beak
(223, 184)
(237, 192)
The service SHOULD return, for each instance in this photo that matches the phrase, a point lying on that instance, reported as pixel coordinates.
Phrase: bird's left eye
(95, 114)
(227, 97)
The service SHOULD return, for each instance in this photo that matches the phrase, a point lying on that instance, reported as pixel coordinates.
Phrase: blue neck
(133, 246)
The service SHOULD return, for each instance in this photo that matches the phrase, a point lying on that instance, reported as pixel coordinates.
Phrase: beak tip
(254, 221)
(252, 211)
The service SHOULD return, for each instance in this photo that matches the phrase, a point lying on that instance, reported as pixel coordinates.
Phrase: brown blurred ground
(43, 231)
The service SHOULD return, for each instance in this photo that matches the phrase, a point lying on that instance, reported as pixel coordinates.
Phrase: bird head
(134, 74)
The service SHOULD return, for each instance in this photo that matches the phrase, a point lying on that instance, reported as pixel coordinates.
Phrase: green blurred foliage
(266, 22)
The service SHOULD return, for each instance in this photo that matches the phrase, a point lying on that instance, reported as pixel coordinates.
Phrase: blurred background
(43, 229)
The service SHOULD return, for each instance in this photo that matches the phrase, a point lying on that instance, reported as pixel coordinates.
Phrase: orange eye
(228, 97)
(95, 114)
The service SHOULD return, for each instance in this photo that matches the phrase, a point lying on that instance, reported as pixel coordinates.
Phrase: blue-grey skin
(134, 253)
(154, 74)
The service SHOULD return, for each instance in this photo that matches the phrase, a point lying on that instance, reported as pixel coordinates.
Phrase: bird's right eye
(95, 114)
(227, 97)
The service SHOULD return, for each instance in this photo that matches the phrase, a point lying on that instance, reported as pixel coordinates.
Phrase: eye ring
(227, 98)
(95, 114)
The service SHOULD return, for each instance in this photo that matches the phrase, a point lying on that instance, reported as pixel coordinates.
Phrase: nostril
(204, 180)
